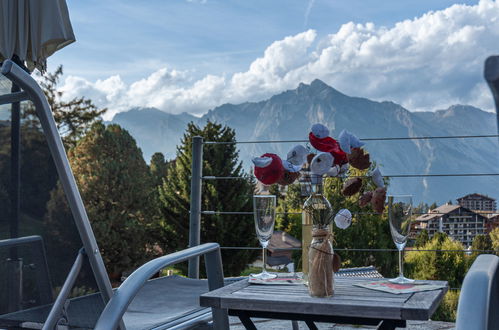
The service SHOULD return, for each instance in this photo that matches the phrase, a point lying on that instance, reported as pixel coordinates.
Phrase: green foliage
(74, 117)
(65, 240)
(481, 243)
(158, 168)
(368, 230)
(424, 264)
(116, 187)
(447, 311)
(291, 203)
(494, 237)
(38, 173)
(218, 195)
(420, 208)
(422, 238)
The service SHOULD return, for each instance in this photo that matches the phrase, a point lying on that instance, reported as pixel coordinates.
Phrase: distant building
(458, 222)
(492, 220)
(280, 248)
(477, 202)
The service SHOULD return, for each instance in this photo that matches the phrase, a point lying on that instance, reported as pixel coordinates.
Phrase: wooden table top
(347, 301)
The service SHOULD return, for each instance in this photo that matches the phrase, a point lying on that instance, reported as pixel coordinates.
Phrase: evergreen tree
(158, 168)
(38, 172)
(422, 238)
(116, 188)
(73, 118)
(481, 243)
(64, 238)
(217, 195)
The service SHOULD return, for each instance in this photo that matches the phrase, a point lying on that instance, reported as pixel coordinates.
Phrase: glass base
(401, 280)
(264, 275)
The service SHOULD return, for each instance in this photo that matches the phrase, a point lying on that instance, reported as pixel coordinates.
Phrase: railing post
(195, 209)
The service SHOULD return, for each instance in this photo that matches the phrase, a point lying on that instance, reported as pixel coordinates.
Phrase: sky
(193, 55)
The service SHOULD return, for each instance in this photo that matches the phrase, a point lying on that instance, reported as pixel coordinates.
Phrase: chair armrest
(123, 296)
(479, 297)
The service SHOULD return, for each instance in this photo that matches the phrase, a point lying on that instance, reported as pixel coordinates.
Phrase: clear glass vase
(320, 263)
(316, 210)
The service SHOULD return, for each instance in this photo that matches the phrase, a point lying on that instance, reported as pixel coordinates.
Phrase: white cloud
(429, 62)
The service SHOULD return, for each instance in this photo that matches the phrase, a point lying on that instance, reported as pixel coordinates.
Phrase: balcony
(57, 245)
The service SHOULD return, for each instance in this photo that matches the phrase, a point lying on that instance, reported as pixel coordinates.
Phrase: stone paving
(263, 324)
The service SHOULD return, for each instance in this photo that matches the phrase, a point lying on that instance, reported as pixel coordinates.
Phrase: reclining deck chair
(479, 299)
(166, 302)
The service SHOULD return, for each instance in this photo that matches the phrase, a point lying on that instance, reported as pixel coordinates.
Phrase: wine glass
(264, 214)
(399, 217)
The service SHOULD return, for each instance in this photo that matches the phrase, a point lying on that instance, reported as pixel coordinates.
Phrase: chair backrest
(479, 300)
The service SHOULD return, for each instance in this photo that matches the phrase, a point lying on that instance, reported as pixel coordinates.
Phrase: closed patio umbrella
(33, 30)
(30, 31)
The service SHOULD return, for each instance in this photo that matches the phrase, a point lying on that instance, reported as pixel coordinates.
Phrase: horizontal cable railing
(353, 213)
(360, 250)
(472, 226)
(367, 139)
(250, 177)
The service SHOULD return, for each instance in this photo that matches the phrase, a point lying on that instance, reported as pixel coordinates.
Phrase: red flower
(271, 173)
(328, 144)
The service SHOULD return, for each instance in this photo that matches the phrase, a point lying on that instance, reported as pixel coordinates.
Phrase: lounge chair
(166, 302)
(479, 299)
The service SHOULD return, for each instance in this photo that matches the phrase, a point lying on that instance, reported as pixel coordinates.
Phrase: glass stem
(401, 269)
(264, 269)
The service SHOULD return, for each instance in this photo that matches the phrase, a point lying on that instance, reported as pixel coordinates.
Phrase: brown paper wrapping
(320, 275)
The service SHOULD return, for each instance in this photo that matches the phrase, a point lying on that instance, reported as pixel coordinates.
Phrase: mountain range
(289, 116)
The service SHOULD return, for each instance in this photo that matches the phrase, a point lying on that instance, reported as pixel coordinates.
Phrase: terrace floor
(235, 324)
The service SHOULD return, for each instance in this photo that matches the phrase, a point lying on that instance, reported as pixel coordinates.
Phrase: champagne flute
(264, 214)
(399, 217)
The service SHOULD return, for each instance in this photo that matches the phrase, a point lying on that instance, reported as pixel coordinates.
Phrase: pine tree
(422, 238)
(116, 188)
(481, 243)
(73, 118)
(217, 195)
(158, 168)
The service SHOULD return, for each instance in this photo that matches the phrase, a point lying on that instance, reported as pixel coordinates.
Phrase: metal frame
(123, 296)
(43, 276)
(309, 319)
(195, 207)
(58, 307)
(491, 75)
(19, 77)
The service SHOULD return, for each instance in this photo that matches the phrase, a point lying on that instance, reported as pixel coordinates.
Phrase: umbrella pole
(15, 264)
(15, 169)
(15, 276)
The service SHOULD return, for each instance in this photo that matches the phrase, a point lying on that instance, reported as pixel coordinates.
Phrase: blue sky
(190, 56)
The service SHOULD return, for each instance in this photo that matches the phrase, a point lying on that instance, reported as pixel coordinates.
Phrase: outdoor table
(348, 305)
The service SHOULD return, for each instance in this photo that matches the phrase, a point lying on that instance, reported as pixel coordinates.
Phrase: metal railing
(491, 75)
(198, 178)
